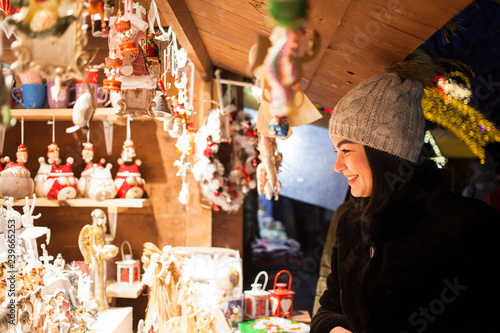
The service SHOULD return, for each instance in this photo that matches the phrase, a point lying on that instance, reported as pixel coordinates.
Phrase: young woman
(411, 256)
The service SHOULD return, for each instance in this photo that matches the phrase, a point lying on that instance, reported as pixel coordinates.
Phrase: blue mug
(34, 95)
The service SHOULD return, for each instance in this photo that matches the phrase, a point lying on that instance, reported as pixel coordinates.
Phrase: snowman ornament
(86, 175)
(61, 183)
(15, 179)
(128, 180)
(45, 168)
(102, 186)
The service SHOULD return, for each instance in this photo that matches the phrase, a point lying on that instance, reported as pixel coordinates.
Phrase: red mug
(92, 74)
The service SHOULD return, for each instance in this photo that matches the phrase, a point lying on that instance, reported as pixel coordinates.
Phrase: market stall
(126, 157)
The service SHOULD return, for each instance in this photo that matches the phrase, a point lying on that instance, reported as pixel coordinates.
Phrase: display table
(301, 316)
(124, 290)
(115, 320)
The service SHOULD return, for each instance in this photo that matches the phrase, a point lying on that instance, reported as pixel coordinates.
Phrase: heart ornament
(274, 305)
(285, 305)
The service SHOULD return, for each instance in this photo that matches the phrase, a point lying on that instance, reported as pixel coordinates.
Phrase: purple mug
(97, 90)
(62, 100)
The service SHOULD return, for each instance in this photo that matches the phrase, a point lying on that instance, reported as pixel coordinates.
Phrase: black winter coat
(429, 262)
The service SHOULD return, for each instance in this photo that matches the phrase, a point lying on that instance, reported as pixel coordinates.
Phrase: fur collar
(410, 202)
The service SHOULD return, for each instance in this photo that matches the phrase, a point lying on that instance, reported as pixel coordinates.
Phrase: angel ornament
(30, 232)
(95, 252)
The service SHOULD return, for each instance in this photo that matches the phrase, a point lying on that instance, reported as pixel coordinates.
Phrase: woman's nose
(339, 163)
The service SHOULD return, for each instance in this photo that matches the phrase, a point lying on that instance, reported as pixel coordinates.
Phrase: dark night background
(477, 45)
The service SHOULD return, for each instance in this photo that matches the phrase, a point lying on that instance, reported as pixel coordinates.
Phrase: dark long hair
(388, 173)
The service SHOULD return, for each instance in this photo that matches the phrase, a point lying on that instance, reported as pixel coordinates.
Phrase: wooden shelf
(60, 114)
(84, 202)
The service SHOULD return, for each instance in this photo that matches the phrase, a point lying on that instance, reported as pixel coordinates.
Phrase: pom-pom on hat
(385, 112)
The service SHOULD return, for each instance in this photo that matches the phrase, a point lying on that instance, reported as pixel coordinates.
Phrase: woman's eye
(345, 151)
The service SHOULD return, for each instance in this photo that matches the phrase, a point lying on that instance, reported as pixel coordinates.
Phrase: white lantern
(128, 269)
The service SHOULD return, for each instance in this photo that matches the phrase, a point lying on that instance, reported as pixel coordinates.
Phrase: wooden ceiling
(359, 37)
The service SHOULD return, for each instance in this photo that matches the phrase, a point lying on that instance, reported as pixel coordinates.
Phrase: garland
(446, 105)
(224, 189)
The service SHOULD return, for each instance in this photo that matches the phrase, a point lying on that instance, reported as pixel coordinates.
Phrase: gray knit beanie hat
(385, 112)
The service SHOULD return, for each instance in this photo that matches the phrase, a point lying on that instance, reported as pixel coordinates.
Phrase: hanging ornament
(225, 189)
(180, 129)
(61, 184)
(15, 178)
(128, 180)
(284, 104)
(90, 167)
(137, 85)
(101, 185)
(7, 8)
(152, 54)
(22, 151)
(88, 151)
(267, 170)
(100, 11)
(184, 146)
(84, 108)
(87, 155)
(112, 72)
(6, 120)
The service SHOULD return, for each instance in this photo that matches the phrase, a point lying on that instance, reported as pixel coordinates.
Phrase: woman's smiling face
(353, 163)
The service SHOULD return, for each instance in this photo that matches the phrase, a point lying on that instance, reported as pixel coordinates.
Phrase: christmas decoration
(86, 175)
(128, 270)
(102, 186)
(257, 299)
(281, 299)
(178, 302)
(126, 69)
(40, 29)
(7, 8)
(15, 178)
(267, 170)
(30, 232)
(113, 65)
(96, 252)
(446, 105)
(439, 158)
(100, 11)
(225, 189)
(128, 179)
(61, 183)
(6, 120)
(284, 104)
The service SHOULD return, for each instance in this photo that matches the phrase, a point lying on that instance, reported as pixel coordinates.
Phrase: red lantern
(281, 299)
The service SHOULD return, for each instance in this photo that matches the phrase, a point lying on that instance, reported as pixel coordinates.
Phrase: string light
(452, 112)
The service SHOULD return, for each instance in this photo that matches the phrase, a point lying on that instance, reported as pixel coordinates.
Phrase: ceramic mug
(30, 77)
(62, 98)
(92, 75)
(33, 95)
(97, 90)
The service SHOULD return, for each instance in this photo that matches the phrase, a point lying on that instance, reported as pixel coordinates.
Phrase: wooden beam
(325, 17)
(179, 18)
